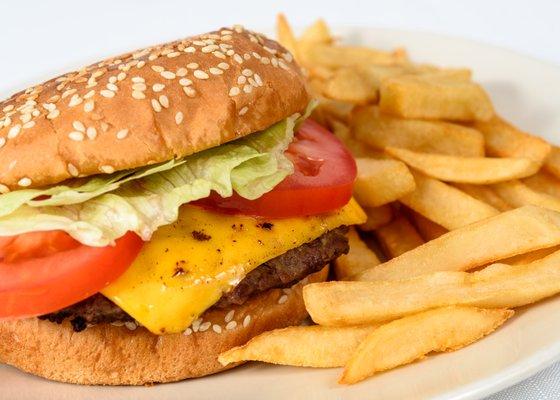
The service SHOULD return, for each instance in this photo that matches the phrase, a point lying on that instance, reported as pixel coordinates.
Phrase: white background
(41, 38)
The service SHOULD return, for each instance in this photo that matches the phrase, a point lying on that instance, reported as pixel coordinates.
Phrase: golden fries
(348, 56)
(350, 85)
(319, 32)
(359, 258)
(429, 230)
(504, 140)
(434, 97)
(381, 131)
(485, 194)
(544, 182)
(552, 163)
(381, 181)
(444, 204)
(513, 232)
(377, 217)
(475, 170)
(286, 36)
(398, 237)
(412, 338)
(496, 286)
(302, 346)
(517, 194)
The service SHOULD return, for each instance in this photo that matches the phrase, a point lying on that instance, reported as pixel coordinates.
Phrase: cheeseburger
(163, 206)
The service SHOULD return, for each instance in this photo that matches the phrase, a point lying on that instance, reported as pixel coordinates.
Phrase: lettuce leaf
(101, 209)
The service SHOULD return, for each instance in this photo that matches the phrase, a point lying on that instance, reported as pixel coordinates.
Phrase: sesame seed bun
(112, 355)
(155, 104)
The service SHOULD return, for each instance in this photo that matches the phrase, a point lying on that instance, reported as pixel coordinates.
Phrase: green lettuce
(98, 210)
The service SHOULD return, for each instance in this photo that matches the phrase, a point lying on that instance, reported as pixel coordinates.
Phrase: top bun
(149, 106)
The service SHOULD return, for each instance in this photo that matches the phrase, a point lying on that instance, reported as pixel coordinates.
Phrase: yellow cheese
(188, 265)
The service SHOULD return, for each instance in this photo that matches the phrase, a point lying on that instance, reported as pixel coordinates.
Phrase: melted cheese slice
(188, 265)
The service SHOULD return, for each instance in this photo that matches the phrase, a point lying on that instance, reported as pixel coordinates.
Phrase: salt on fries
(448, 186)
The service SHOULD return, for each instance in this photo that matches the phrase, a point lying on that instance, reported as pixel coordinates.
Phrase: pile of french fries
(463, 214)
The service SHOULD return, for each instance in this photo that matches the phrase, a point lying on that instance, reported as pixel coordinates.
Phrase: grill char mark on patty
(282, 271)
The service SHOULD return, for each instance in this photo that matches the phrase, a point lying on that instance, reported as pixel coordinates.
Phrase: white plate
(525, 91)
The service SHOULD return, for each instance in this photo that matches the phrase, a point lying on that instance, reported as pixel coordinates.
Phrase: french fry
(376, 217)
(434, 97)
(475, 170)
(286, 36)
(444, 204)
(381, 131)
(359, 258)
(517, 194)
(348, 56)
(302, 346)
(552, 163)
(496, 286)
(398, 237)
(544, 182)
(429, 230)
(522, 259)
(485, 194)
(349, 85)
(510, 233)
(412, 338)
(319, 32)
(381, 181)
(336, 109)
(504, 140)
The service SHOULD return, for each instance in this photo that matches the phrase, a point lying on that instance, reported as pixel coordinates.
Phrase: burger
(163, 206)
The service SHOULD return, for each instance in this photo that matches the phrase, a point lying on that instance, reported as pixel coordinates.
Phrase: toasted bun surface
(111, 355)
(149, 106)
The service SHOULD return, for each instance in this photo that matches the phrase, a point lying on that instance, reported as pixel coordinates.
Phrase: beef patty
(282, 271)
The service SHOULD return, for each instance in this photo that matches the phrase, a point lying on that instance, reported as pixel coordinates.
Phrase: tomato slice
(324, 175)
(44, 272)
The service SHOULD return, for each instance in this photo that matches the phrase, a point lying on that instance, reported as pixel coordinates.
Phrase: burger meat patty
(282, 271)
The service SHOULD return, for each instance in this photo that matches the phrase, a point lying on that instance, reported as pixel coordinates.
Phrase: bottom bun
(114, 355)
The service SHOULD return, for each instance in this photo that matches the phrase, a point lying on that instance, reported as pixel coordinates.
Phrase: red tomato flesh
(324, 175)
(43, 272)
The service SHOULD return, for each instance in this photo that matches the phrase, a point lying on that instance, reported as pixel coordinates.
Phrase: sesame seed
(258, 80)
(225, 32)
(247, 72)
(283, 65)
(189, 49)
(112, 79)
(164, 101)
(76, 136)
(229, 316)
(237, 58)
(122, 134)
(241, 80)
(231, 325)
(155, 105)
(234, 91)
(196, 324)
(2, 142)
(107, 169)
(138, 95)
(29, 124)
(121, 76)
(25, 118)
(130, 325)
(216, 71)
(4, 189)
(185, 82)
(74, 100)
(244, 110)
(79, 126)
(226, 37)
(256, 55)
(24, 182)
(217, 328)
(265, 60)
(173, 54)
(8, 108)
(179, 118)
(68, 92)
(230, 53)
(199, 74)
(271, 51)
(139, 86)
(252, 82)
(274, 61)
(53, 114)
(158, 87)
(247, 88)
(288, 57)
(73, 170)
(182, 72)
(188, 332)
(199, 43)
(91, 133)
(223, 65)
(219, 54)
(282, 299)
(138, 79)
(14, 131)
(88, 107)
(209, 48)
(107, 93)
(189, 91)
(89, 94)
(192, 65)
(246, 321)
(157, 68)
(168, 75)
(205, 326)
(140, 64)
